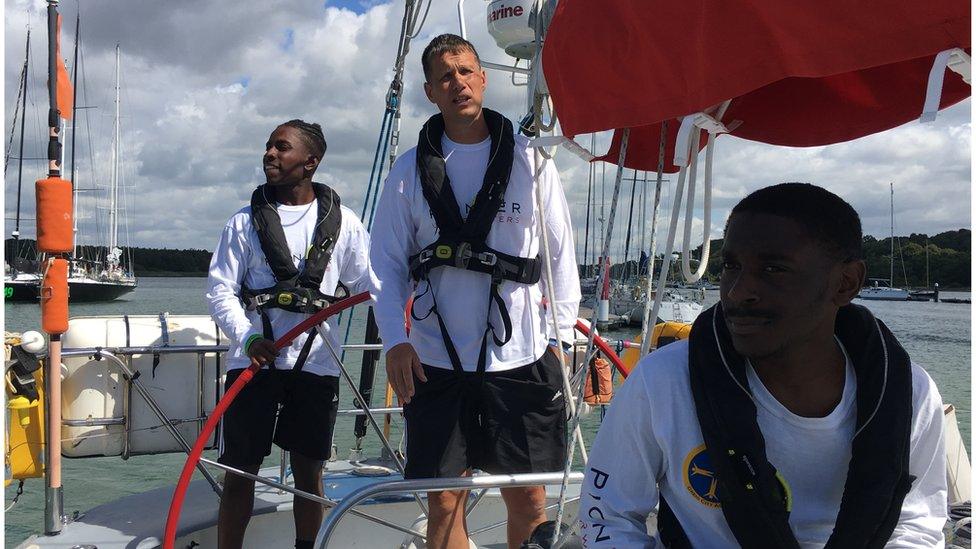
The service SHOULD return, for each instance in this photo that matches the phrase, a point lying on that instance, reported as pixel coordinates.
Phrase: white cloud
(204, 85)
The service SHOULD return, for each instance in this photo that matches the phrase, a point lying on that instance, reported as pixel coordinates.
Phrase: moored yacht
(879, 290)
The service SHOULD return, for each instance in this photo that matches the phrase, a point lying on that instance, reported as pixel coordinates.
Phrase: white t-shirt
(404, 225)
(239, 259)
(650, 441)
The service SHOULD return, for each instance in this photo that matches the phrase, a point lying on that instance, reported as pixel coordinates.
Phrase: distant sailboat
(90, 279)
(881, 289)
(20, 276)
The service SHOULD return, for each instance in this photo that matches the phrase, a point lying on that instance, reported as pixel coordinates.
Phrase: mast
(891, 273)
(630, 223)
(20, 161)
(603, 216)
(642, 219)
(52, 215)
(113, 236)
(74, 132)
(586, 234)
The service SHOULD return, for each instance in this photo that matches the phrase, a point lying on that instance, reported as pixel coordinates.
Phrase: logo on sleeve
(699, 477)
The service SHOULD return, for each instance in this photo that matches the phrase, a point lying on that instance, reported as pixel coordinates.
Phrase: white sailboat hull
(883, 294)
(676, 307)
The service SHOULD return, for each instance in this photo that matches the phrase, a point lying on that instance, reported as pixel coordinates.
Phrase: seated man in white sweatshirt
(790, 418)
(291, 252)
(457, 227)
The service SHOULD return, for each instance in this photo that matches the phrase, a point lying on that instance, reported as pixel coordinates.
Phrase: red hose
(604, 348)
(176, 505)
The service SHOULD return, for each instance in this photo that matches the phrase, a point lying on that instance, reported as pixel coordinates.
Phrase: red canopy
(798, 73)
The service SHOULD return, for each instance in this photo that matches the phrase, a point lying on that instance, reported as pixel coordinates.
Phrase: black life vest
(461, 242)
(294, 290)
(752, 497)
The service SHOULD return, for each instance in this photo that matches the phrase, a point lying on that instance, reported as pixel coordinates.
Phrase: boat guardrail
(313, 497)
(417, 486)
(177, 349)
(119, 357)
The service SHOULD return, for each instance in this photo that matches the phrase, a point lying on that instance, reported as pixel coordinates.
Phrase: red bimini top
(798, 74)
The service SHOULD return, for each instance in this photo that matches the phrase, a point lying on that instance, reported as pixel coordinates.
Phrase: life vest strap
(274, 244)
(463, 239)
(291, 298)
(493, 298)
(471, 257)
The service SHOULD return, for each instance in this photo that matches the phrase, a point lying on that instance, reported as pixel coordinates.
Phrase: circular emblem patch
(699, 477)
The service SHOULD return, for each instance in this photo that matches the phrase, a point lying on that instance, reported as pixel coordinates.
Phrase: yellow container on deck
(24, 450)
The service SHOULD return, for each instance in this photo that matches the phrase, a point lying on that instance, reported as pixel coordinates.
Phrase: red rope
(604, 348)
(176, 505)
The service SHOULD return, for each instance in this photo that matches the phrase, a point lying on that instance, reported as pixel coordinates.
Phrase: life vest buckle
(488, 258)
(253, 303)
(442, 251)
(462, 255)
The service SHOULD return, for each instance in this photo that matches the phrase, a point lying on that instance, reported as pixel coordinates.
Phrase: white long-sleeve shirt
(238, 259)
(650, 444)
(404, 225)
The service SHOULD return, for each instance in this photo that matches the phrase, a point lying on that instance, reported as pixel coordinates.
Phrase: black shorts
(303, 425)
(502, 422)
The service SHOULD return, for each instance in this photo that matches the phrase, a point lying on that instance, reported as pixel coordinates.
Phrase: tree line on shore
(146, 261)
(920, 260)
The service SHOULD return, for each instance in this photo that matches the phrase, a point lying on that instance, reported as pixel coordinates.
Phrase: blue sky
(356, 6)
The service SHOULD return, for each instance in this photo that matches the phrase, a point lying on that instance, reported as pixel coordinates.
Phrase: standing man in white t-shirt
(790, 418)
(291, 252)
(457, 228)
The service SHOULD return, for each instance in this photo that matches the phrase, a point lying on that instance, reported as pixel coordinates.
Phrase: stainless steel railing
(417, 486)
(120, 356)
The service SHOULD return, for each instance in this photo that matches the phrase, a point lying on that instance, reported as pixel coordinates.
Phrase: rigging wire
(74, 143)
(630, 222)
(904, 271)
(91, 150)
(39, 118)
(13, 126)
(590, 343)
(647, 321)
(20, 162)
(586, 234)
(124, 186)
(591, 207)
(389, 128)
(643, 217)
(603, 216)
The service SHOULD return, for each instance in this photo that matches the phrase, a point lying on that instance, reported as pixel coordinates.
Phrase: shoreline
(171, 274)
